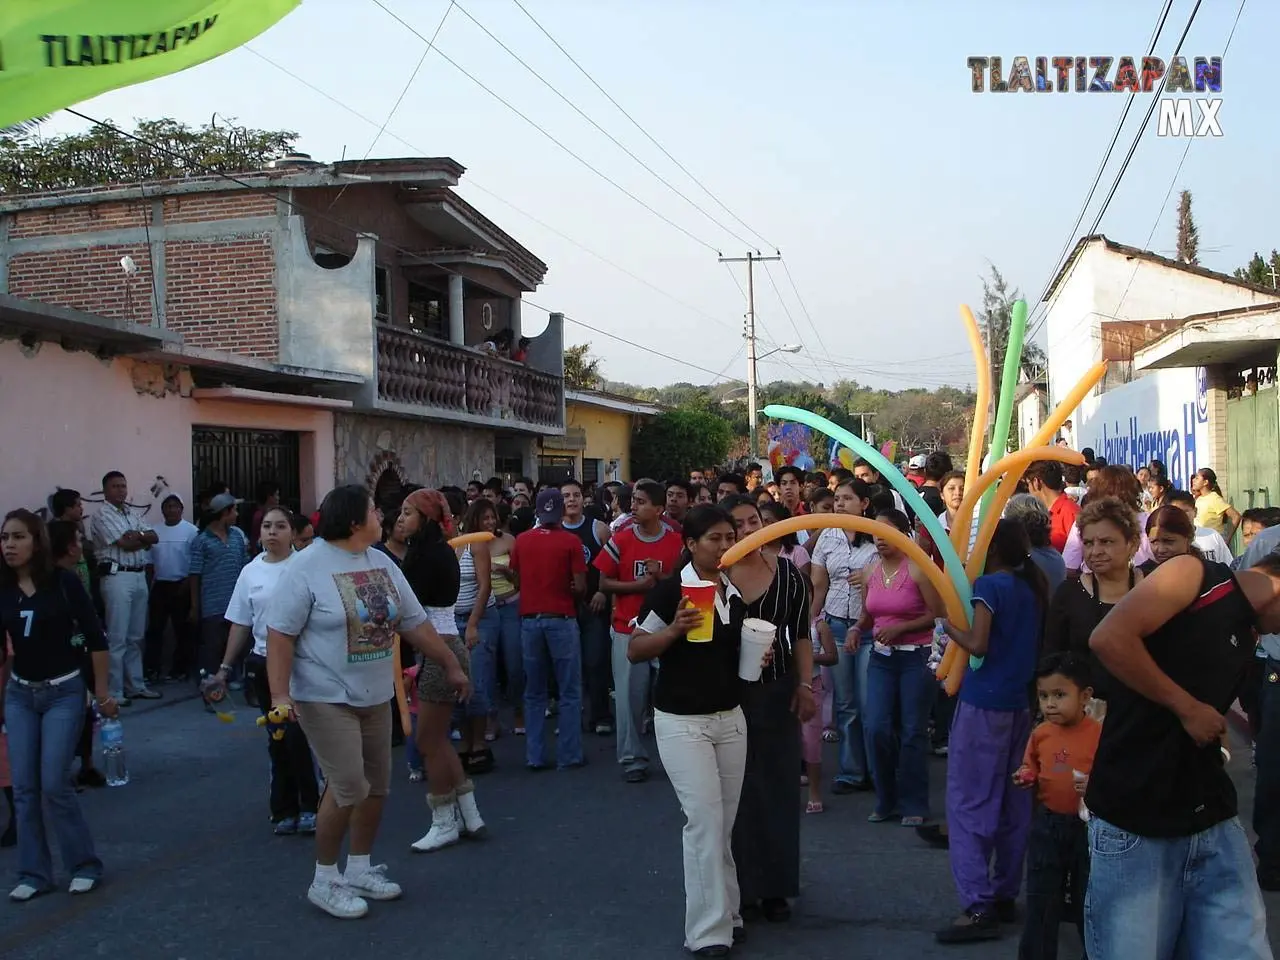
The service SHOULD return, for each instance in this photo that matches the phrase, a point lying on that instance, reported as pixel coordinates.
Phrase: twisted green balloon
(1008, 388)
(906, 489)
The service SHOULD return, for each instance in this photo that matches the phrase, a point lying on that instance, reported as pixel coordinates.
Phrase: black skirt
(766, 835)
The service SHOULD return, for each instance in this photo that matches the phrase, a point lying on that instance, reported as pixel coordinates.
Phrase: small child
(412, 758)
(1057, 763)
(824, 655)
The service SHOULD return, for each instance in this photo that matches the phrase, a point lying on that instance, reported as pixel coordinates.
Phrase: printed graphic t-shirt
(626, 557)
(345, 609)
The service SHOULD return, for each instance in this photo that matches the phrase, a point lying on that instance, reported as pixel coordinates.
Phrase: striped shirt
(786, 605)
(218, 566)
(469, 587)
(835, 554)
(110, 524)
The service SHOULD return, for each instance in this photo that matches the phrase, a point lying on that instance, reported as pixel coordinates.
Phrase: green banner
(57, 53)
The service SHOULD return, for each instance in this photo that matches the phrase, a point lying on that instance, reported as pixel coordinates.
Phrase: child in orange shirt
(1057, 762)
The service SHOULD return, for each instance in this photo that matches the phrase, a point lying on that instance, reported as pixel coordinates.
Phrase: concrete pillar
(1219, 379)
(457, 329)
(516, 334)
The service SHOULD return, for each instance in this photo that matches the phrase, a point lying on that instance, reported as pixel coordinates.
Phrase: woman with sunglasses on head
(50, 622)
(766, 837)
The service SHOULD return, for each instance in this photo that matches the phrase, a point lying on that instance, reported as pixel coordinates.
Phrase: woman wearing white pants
(701, 732)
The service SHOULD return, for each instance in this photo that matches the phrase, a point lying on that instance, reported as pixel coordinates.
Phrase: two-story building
(312, 324)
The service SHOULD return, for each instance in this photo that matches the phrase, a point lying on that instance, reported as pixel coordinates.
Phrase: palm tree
(24, 128)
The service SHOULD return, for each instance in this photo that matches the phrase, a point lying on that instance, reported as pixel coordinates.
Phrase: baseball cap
(222, 502)
(550, 506)
(916, 462)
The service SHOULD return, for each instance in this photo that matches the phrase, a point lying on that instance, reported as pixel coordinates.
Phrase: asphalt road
(579, 864)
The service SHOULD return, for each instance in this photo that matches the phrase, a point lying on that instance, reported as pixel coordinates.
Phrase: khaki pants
(352, 746)
(705, 757)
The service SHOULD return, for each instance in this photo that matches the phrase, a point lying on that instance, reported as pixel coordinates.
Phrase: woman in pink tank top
(900, 605)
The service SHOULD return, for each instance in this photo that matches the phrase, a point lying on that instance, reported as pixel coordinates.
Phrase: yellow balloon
(823, 521)
(964, 518)
(466, 539)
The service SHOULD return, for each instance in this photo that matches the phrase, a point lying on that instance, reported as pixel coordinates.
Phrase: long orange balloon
(402, 699)
(823, 521)
(466, 539)
(964, 518)
(978, 558)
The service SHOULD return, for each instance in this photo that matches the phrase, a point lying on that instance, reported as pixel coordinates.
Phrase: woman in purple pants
(988, 816)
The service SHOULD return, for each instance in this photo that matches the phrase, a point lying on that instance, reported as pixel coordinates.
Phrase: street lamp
(752, 360)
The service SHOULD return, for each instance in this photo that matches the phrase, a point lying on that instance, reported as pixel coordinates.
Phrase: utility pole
(863, 418)
(751, 259)
(1272, 272)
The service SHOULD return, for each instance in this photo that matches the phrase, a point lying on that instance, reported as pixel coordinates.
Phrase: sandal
(813, 806)
(879, 817)
(913, 821)
(479, 761)
(830, 736)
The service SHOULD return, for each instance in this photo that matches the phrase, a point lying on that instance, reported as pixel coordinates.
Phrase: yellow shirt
(1210, 508)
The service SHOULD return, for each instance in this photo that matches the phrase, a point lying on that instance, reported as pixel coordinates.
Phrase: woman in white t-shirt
(295, 795)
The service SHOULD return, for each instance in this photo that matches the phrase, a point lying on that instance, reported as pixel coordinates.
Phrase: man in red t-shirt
(552, 574)
(630, 564)
(1046, 484)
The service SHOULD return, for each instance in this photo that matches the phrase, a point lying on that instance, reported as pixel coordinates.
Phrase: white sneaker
(23, 892)
(373, 884)
(446, 827)
(335, 898)
(82, 884)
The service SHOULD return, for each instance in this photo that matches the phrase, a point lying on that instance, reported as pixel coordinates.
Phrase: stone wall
(432, 454)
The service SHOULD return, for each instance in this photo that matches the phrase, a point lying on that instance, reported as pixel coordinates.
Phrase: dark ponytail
(1013, 548)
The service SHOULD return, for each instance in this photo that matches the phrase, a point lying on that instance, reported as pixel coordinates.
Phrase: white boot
(446, 825)
(472, 826)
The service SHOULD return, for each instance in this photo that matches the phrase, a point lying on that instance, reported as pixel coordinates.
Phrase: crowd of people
(1111, 632)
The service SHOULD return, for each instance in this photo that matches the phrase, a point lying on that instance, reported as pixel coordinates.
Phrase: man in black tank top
(593, 613)
(1171, 871)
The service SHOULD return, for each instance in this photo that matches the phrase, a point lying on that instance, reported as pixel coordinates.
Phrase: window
(382, 294)
(556, 469)
(590, 470)
(427, 312)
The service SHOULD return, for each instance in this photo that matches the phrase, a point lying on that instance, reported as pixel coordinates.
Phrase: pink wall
(69, 418)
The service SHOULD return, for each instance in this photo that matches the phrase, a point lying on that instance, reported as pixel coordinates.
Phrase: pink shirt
(899, 601)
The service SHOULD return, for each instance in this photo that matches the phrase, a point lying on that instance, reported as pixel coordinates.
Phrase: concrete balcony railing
(419, 373)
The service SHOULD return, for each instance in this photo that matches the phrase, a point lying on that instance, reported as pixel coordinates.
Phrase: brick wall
(221, 295)
(88, 279)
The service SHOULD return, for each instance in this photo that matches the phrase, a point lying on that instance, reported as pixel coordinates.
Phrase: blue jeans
(1266, 794)
(850, 702)
(552, 644)
(899, 695)
(1160, 899)
(511, 650)
(44, 726)
(484, 662)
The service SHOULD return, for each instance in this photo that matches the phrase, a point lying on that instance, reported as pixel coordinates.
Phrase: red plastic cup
(702, 596)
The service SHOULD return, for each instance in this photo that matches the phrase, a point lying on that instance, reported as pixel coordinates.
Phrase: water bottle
(111, 732)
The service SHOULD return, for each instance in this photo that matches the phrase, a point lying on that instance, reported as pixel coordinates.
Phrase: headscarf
(433, 506)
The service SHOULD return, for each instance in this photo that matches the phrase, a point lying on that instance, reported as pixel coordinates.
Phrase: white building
(1110, 300)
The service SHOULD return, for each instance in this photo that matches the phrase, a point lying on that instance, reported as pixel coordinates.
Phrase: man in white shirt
(122, 542)
(171, 594)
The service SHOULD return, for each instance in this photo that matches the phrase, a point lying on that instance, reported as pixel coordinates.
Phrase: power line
(804, 309)
(473, 184)
(542, 130)
(399, 100)
(612, 139)
(1176, 173)
(1133, 147)
(1097, 178)
(636, 123)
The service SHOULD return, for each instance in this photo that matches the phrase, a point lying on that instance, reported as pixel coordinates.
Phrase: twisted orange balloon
(402, 699)
(982, 364)
(956, 609)
(466, 539)
(953, 665)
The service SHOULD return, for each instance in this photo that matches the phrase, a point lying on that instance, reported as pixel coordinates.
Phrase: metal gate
(242, 459)
(1253, 450)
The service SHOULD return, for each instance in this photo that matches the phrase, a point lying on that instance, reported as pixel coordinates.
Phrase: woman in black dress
(766, 837)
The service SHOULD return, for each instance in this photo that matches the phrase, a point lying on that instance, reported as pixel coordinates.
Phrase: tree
(675, 442)
(1188, 234)
(581, 370)
(102, 154)
(1258, 271)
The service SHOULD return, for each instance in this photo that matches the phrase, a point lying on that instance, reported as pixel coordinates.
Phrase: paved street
(579, 865)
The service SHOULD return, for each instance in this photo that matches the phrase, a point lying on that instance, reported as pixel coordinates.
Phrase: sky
(846, 133)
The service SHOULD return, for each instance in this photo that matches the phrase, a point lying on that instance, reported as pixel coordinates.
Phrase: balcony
(422, 376)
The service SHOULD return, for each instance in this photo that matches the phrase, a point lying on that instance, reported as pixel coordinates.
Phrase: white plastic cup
(1079, 777)
(757, 638)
